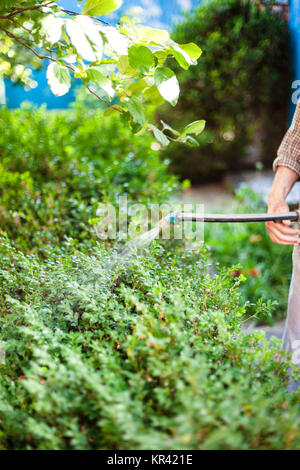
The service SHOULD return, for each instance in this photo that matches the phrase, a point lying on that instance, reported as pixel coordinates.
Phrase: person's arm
(287, 168)
(281, 232)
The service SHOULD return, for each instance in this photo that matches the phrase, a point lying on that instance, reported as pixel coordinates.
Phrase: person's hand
(281, 232)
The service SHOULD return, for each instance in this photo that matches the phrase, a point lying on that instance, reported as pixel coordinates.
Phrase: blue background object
(155, 13)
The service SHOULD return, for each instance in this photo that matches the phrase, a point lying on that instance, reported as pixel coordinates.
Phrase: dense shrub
(103, 352)
(267, 266)
(55, 168)
(112, 351)
(240, 86)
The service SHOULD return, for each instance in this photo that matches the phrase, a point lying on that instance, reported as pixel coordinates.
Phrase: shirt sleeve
(289, 151)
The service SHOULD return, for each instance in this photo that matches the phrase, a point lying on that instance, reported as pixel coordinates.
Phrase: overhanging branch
(52, 59)
(17, 11)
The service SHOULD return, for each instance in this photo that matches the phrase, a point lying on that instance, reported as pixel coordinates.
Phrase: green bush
(55, 168)
(240, 86)
(108, 353)
(267, 266)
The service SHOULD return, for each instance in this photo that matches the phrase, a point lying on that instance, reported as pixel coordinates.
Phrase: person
(287, 172)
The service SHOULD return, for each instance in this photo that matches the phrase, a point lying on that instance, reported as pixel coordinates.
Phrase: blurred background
(242, 85)
(158, 13)
(245, 87)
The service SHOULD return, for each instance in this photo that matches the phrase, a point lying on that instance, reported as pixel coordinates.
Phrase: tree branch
(21, 10)
(42, 57)
(45, 57)
(20, 41)
(20, 25)
(73, 13)
(101, 99)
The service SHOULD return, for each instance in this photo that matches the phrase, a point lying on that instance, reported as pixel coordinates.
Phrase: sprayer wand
(233, 218)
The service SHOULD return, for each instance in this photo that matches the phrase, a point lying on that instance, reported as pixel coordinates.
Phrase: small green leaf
(167, 127)
(152, 35)
(101, 7)
(140, 58)
(196, 128)
(85, 38)
(190, 141)
(159, 135)
(192, 50)
(113, 110)
(181, 56)
(52, 28)
(136, 109)
(167, 84)
(161, 56)
(58, 78)
(153, 97)
(138, 86)
(126, 19)
(124, 66)
(94, 75)
(116, 41)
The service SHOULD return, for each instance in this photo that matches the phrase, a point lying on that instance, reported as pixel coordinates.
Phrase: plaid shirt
(289, 151)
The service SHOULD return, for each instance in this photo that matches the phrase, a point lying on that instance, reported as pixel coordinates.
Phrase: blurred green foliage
(266, 265)
(144, 353)
(240, 86)
(55, 169)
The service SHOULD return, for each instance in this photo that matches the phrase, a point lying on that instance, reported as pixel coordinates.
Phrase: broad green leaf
(128, 28)
(101, 7)
(180, 55)
(52, 28)
(94, 75)
(116, 41)
(159, 135)
(140, 58)
(113, 110)
(167, 84)
(161, 56)
(126, 19)
(85, 37)
(136, 109)
(124, 66)
(138, 86)
(107, 87)
(192, 50)
(152, 35)
(59, 79)
(92, 32)
(80, 41)
(194, 128)
(69, 58)
(153, 97)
